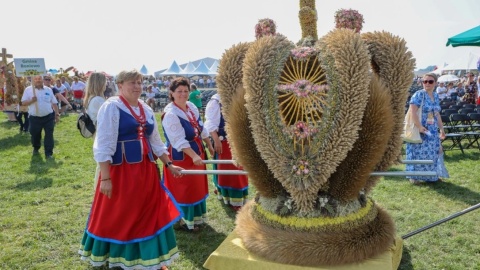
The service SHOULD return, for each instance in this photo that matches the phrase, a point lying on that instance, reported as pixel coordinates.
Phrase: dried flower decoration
(302, 88)
(301, 130)
(303, 53)
(349, 18)
(301, 168)
(265, 27)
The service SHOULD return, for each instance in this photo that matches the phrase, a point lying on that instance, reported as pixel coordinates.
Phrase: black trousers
(23, 122)
(37, 124)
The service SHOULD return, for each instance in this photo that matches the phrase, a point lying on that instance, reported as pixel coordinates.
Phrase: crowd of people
(462, 89)
(164, 82)
(167, 199)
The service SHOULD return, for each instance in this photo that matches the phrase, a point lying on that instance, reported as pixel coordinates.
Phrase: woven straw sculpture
(310, 122)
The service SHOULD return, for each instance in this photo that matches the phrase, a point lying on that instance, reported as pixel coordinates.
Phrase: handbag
(85, 124)
(411, 133)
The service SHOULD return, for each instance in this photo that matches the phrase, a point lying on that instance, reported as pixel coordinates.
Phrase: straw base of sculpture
(305, 248)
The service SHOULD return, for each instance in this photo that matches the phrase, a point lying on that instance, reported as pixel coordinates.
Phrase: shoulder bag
(411, 133)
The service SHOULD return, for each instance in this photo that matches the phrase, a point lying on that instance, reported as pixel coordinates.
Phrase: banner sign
(25, 67)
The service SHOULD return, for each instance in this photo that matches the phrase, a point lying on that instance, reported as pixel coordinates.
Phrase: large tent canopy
(468, 38)
(144, 70)
(466, 62)
(174, 69)
(213, 68)
(202, 69)
(188, 70)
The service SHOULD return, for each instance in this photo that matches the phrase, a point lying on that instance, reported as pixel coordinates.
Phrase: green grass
(44, 206)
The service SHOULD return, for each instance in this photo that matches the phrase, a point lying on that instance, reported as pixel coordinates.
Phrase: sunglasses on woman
(429, 81)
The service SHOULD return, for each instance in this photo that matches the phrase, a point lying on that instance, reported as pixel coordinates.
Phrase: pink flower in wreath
(349, 18)
(265, 27)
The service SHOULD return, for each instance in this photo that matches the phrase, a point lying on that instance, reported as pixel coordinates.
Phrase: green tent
(468, 38)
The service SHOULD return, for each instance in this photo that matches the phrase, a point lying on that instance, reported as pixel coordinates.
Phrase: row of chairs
(458, 106)
(462, 110)
(462, 130)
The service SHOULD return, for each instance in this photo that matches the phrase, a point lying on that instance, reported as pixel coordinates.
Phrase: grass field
(44, 205)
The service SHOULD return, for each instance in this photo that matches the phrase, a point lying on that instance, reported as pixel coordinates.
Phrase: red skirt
(187, 190)
(140, 206)
(78, 94)
(239, 182)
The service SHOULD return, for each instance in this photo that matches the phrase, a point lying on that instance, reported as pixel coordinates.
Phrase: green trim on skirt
(234, 197)
(194, 215)
(158, 251)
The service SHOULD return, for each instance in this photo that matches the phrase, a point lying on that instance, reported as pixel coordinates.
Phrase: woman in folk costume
(130, 223)
(184, 133)
(232, 188)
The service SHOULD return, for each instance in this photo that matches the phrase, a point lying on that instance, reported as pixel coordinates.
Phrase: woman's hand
(106, 187)
(211, 150)
(218, 146)
(175, 170)
(197, 160)
(442, 134)
(422, 129)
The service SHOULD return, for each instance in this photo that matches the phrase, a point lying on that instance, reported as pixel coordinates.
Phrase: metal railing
(242, 172)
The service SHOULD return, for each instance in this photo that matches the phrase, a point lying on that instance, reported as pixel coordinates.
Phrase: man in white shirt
(43, 110)
(66, 84)
(442, 91)
(155, 88)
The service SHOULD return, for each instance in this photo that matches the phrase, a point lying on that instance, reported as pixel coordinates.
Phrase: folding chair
(475, 121)
(465, 110)
(450, 135)
(462, 125)
(444, 106)
(455, 107)
(469, 106)
(448, 112)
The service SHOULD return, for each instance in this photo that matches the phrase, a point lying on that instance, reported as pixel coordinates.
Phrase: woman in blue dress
(431, 131)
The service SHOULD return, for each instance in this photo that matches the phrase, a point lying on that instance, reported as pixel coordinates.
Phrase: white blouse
(105, 143)
(94, 106)
(212, 114)
(173, 128)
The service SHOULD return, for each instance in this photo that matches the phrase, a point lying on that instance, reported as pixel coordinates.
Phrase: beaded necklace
(191, 118)
(141, 119)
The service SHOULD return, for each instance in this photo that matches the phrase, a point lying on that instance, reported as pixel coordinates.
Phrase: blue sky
(107, 35)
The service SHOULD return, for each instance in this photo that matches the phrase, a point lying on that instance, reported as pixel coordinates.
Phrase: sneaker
(35, 152)
(48, 157)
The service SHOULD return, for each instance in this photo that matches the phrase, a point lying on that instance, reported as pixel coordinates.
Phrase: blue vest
(189, 136)
(129, 148)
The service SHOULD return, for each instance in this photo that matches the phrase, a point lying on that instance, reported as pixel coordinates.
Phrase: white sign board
(25, 67)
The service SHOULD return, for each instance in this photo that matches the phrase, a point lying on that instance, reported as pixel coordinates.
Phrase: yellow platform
(232, 255)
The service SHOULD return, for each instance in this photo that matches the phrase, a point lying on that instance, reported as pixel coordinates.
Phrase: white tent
(467, 62)
(202, 69)
(188, 70)
(174, 69)
(144, 70)
(213, 68)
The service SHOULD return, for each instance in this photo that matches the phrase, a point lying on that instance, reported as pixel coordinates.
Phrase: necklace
(141, 119)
